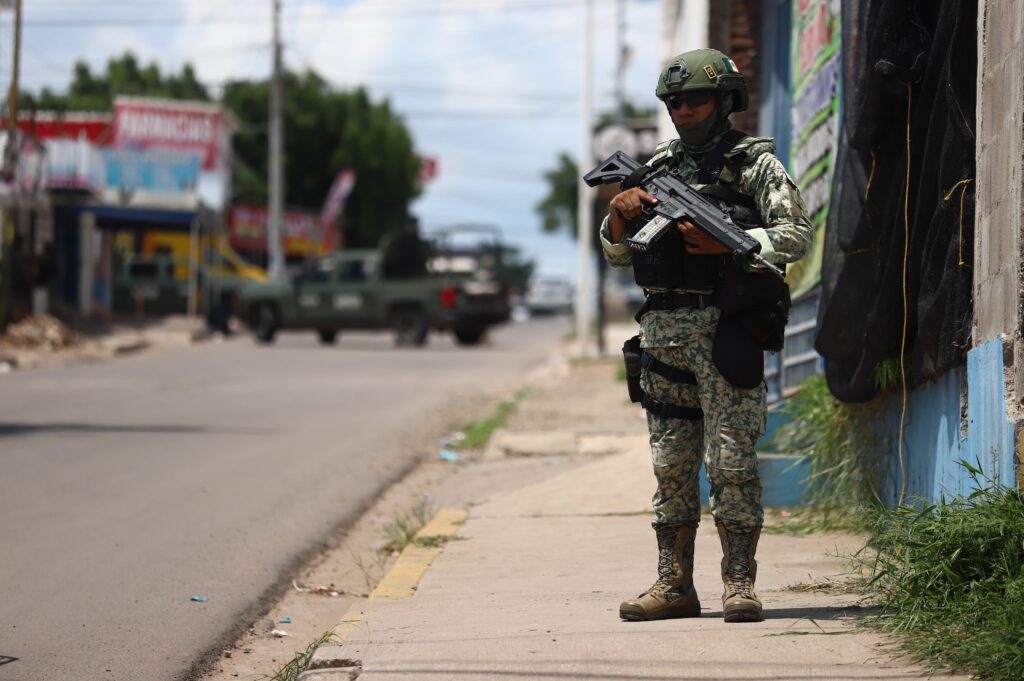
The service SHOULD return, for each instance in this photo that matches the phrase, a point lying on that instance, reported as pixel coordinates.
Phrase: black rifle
(676, 201)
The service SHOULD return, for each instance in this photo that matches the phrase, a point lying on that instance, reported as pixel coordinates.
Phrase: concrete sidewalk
(530, 588)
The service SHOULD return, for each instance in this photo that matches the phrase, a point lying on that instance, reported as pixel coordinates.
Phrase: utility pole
(11, 214)
(622, 50)
(275, 256)
(585, 203)
(12, 98)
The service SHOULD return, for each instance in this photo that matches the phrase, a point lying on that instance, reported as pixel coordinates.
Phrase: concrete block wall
(999, 221)
(735, 28)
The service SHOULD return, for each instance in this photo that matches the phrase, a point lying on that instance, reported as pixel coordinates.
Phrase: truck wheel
(410, 326)
(266, 323)
(469, 335)
(328, 336)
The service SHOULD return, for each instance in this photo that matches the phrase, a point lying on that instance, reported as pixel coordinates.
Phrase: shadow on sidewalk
(689, 668)
(824, 613)
(26, 429)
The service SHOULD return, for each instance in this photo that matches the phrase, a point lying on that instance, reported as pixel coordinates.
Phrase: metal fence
(785, 370)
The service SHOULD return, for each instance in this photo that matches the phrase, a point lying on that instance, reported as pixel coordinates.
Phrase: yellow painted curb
(405, 575)
(444, 523)
(348, 623)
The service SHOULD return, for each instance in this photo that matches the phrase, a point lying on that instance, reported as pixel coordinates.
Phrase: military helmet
(704, 69)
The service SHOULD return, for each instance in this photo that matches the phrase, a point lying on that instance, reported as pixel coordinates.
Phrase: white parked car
(550, 295)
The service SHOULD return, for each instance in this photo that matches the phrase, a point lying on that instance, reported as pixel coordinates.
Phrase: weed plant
(950, 580)
(402, 528)
(843, 445)
(300, 663)
(477, 434)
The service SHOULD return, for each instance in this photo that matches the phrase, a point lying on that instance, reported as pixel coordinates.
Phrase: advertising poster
(155, 177)
(815, 117)
(302, 233)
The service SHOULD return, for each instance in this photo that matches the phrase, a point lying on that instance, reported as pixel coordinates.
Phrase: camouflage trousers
(734, 418)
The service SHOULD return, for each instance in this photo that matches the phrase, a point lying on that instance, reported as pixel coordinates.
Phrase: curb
(400, 582)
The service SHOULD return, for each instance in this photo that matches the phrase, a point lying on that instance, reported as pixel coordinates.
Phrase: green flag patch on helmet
(704, 69)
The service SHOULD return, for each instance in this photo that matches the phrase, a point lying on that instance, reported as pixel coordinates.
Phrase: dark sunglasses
(691, 99)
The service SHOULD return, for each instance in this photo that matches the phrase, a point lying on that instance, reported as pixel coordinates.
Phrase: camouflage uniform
(733, 418)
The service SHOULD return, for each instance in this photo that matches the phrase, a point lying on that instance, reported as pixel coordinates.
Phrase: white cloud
(431, 63)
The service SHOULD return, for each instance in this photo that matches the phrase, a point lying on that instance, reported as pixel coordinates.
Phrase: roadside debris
(448, 455)
(39, 332)
(199, 599)
(279, 633)
(285, 620)
(331, 591)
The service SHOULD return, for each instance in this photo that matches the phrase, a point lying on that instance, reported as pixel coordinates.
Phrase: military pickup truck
(347, 290)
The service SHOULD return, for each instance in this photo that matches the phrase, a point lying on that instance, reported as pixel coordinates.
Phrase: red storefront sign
(143, 123)
(94, 127)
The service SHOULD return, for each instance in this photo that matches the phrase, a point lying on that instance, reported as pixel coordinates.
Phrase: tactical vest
(668, 265)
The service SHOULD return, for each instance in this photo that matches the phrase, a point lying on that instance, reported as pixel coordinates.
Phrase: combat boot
(739, 570)
(672, 595)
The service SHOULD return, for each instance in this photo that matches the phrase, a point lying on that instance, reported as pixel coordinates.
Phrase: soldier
(703, 399)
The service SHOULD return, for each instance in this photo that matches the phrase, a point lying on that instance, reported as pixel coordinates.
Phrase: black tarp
(921, 52)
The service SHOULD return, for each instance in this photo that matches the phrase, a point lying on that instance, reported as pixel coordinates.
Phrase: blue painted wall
(776, 101)
(959, 416)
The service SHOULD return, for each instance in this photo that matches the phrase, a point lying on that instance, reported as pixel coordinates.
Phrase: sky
(491, 88)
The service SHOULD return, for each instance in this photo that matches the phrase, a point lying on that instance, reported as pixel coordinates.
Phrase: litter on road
(448, 455)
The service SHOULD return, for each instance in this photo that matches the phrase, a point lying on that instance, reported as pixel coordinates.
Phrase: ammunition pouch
(754, 311)
(759, 300)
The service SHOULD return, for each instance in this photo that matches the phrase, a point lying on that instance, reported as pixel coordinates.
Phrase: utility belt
(638, 359)
(673, 300)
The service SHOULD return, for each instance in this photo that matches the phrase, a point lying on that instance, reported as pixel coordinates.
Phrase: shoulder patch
(749, 149)
(662, 153)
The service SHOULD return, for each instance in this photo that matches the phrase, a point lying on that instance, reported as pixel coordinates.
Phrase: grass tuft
(402, 529)
(949, 578)
(843, 444)
(300, 663)
(435, 541)
(477, 434)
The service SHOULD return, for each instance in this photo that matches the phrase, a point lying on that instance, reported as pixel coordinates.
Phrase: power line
(353, 16)
(454, 114)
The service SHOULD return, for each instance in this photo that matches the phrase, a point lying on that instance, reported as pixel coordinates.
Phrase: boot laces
(659, 585)
(740, 585)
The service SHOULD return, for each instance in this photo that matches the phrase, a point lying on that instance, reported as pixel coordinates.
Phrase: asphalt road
(128, 487)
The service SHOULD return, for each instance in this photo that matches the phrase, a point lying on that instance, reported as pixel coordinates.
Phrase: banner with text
(302, 232)
(816, 86)
(145, 123)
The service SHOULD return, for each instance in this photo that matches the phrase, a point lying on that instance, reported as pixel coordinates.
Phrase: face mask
(716, 123)
(695, 135)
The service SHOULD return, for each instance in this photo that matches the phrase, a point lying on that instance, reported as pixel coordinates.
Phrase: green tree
(327, 130)
(124, 76)
(557, 209)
